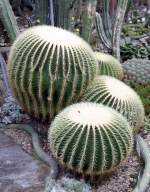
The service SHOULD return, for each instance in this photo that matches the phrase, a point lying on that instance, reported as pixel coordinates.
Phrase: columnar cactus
(90, 138)
(109, 65)
(48, 69)
(8, 19)
(114, 93)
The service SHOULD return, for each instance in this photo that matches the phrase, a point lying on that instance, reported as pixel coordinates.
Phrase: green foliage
(109, 65)
(49, 68)
(116, 94)
(134, 30)
(144, 92)
(129, 51)
(90, 138)
(137, 71)
(8, 19)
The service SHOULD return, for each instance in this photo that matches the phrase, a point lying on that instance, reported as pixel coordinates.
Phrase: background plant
(144, 92)
(130, 51)
(137, 70)
(8, 19)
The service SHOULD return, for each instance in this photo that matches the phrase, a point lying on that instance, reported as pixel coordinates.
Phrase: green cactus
(90, 138)
(48, 69)
(43, 11)
(8, 19)
(114, 93)
(137, 70)
(101, 31)
(109, 65)
(87, 19)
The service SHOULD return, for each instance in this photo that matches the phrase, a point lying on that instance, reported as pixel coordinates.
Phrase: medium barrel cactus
(90, 138)
(116, 94)
(137, 70)
(48, 69)
(109, 65)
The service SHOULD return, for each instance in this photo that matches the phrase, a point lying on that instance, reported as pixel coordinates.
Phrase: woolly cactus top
(96, 116)
(90, 138)
(55, 35)
(116, 94)
(109, 65)
(118, 89)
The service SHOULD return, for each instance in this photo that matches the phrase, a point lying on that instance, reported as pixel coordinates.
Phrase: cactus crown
(109, 65)
(116, 94)
(49, 68)
(90, 138)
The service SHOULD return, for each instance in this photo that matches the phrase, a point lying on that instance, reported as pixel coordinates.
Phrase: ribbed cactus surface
(48, 69)
(114, 93)
(137, 70)
(90, 138)
(109, 65)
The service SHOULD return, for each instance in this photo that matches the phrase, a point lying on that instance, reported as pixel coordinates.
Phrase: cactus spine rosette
(90, 138)
(116, 94)
(109, 65)
(49, 68)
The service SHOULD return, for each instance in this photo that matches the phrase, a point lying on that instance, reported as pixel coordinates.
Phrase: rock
(19, 172)
(66, 185)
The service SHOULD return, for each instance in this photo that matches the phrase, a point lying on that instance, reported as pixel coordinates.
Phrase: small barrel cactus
(48, 69)
(90, 138)
(109, 65)
(137, 70)
(116, 94)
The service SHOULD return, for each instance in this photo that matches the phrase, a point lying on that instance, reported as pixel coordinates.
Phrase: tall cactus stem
(144, 152)
(101, 32)
(43, 11)
(8, 19)
(121, 9)
(107, 20)
(87, 19)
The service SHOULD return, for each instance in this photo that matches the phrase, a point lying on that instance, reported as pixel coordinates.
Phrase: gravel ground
(123, 180)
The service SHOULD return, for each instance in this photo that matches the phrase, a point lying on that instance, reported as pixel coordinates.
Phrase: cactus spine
(109, 65)
(90, 138)
(8, 19)
(49, 68)
(114, 93)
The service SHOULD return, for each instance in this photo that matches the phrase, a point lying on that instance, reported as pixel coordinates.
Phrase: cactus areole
(49, 68)
(90, 138)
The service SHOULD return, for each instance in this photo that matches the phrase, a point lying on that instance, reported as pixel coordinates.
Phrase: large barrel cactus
(90, 138)
(109, 65)
(114, 93)
(48, 69)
